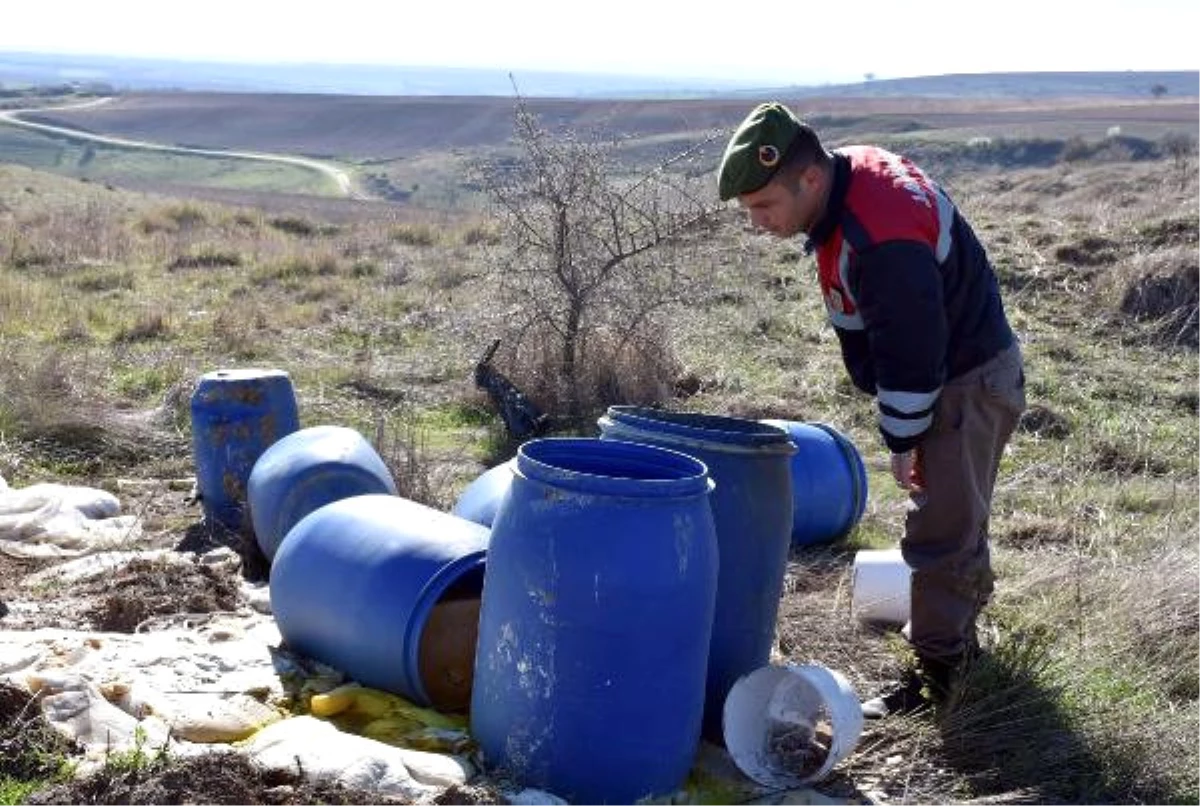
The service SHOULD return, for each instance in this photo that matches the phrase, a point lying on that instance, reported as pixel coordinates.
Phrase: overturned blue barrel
(481, 498)
(829, 482)
(752, 508)
(306, 470)
(386, 590)
(236, 415)
(596, 616)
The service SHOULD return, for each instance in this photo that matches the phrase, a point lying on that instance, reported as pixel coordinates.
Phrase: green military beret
(756, 149)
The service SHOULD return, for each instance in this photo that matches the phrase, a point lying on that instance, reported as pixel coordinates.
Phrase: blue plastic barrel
(752, 508)
(829, 482)
(305, 471)
(358, 582)
(597, 610)
(482, 497)
(236, 415)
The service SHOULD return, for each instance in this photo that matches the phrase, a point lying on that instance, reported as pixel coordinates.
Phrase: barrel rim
(549, 460)
(706, 431)
(244, 374)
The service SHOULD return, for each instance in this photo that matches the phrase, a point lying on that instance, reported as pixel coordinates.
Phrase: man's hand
(906, 470)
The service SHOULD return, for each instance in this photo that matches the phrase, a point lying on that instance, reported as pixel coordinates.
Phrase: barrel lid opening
(612, 467)
(446, 654)
(713, 431)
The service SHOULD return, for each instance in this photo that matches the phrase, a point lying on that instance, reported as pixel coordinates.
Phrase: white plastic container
(882, 588)
(789, 725)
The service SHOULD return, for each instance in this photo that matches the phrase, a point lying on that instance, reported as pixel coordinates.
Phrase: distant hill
(127, 74)
(1127, 84)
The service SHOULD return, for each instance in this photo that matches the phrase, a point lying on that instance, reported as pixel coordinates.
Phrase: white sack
(320, 751)
(57, 520)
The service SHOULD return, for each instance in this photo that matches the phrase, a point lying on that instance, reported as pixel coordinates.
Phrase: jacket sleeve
(856, 356)
(900, 298)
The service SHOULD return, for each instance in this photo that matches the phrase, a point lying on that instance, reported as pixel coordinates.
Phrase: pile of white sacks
(205, 682)
(216, 683)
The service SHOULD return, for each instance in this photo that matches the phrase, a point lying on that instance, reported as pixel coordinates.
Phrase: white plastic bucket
(789, 725)
(882, 588)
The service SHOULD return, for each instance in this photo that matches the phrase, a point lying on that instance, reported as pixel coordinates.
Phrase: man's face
(785, 206)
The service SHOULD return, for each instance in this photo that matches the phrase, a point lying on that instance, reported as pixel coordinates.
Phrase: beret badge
(768, 156)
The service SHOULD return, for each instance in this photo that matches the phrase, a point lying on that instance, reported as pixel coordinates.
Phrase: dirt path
(12, 116)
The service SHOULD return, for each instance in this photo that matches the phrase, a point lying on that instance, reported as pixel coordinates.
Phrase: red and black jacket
(907, 285)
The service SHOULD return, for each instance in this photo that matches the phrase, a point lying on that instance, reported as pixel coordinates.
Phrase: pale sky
(733, 39)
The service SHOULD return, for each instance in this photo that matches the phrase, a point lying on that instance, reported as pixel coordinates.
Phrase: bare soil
(144, 589)
(211, 778)
(29, 747)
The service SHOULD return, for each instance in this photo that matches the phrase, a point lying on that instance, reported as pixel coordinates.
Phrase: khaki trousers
(946, 528)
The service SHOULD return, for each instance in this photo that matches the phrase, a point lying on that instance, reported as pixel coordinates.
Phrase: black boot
(908, 696)
(917, 690)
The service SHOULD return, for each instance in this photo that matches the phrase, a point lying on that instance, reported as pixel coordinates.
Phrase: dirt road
(12, 116)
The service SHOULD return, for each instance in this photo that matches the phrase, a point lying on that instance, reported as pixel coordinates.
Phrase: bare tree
(592, 247)
(1180, 146)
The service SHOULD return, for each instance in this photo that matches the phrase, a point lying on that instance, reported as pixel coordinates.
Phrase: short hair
(806, 149)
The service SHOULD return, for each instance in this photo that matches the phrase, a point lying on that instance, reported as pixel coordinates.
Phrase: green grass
(14, 791)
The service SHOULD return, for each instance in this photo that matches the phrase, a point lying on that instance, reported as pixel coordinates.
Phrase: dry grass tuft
(1028, 531)
(1090, 250)
(1044, 422)
(1168, 295)
(403, 444)
(53, 405)
(1124, 460)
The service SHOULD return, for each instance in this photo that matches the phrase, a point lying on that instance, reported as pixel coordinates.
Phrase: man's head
(775, 165)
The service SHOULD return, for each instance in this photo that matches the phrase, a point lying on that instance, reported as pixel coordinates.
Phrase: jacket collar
(828, 222)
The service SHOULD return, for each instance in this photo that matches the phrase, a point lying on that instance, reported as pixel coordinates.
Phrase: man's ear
(810, 177)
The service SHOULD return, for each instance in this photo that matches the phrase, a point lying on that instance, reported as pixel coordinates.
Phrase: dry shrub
(415, 234)
(1124, 460)
(1170, 231)
(638, 369)
(59, 234)
(241, 333)
(208, 257)
(483, 233)
(403, 444)
(1170, 297)
(294, 225)
(103, 279)
(1090, 250)
(1030, 531)
(450, 274)
(1044, 422)
(296, 268)
(53, 403)
(1153, 294)
(149, 326)
(186, 215)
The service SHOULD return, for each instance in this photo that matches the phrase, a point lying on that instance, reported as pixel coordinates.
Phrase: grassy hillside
(417, 150)
(108, 163)
(387, 128)
(113, 303)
